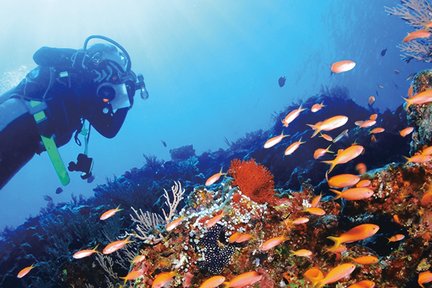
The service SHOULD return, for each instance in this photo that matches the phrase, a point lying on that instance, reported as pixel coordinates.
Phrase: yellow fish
(344, 156)
(328, 124)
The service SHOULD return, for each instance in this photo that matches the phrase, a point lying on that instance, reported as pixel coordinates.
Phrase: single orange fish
(396, 238)
(315, 211)
(377, 130)
(418, 158)
(337, 250)
(138, 259)
(214, 178)
(244, 279)
(373, 117)
(321, 152)
(213, 282)
(353, 194)
(211, 222)
(339, 272)
(273, 242)
(302, 253)
(85, 253)
(396, 219)
(116, 245)
(371, 100)
(293, 147)
(357, 233)
(342, 66)
(344, 156)
(427, 151)
(316, 107)
(424, 277)
(363, 183)
(300, 220)
(426, 199)
(373, 139)
(314, 275)
(23, 272)
(420, 98)
(406, 131)
(361, 168)
(238, 237)
(132, 276)
(326, 137)
(328, 124)
(274, 140)
(163, 279)
(343, 180)
(363, 284)
(110, 213)
(410, 91)
(173, 224)
(416, 35)
(365, 124)
(292, 116)
(315, 201)
(366, 260)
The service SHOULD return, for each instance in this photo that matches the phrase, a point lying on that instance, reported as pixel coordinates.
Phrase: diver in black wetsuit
(55, 99)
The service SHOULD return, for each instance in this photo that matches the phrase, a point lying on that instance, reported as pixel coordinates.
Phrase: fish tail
(337, 241)
(408, 103)
(407, 158)
(327, 149)
(338, 194)
(331, 163)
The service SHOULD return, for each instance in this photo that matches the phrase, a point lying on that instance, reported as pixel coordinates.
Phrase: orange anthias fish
(85, 253)
(361, 168)
(427, 151)
(377, 130)
(213, 282)
(366, 260)
(316, 107)
(339, 272)
(424, 277)
(373, 117)
(419, 158)
(343, 180)
(321, 152)
(420, 98)
(328, 124)
(238, 237)
(110, 213)
(337, 250)
(274, 140)
(214, 178)
(173, 224)
(314, 275)
(315, 201)
(326, 136)
(273, 242)
(300, 220)
(354, 194)
(342, 66)
(371, 100)
(396, 238)
(302, 253)
(363, 284)
(365, 124)
(293, 147)
(315, 211)
(416, 35)
(132, 275)
(23, 272)
(344, 156)
(357, 233)
(211, 222)
(244, 279)
(410, 91)
(116, 245)
(406, 131)
(138, 259)
(163, 279)
(363, 183)
(292, 116)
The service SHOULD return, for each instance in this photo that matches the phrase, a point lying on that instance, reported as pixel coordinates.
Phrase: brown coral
(254, 180)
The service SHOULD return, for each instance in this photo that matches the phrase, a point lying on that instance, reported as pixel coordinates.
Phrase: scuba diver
(53, 102)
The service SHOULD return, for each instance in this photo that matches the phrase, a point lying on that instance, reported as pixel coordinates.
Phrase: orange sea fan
(253, 179)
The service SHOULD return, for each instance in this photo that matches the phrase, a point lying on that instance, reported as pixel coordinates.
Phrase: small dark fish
(164, 143)
(91, 179)
(282, 81)
(59, 190)
(47, 198)
(396, 71)
(395, 85)
(383, 52)
(408, 59)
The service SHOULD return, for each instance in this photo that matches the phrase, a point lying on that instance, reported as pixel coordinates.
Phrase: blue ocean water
(211, 68)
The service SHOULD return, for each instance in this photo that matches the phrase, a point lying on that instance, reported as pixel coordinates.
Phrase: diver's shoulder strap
(37, 109)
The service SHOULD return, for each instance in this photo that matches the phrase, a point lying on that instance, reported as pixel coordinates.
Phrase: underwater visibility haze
(216, 143)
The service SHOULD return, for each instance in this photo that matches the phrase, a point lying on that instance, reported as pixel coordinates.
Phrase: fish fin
(338, 194)
(331, 163)
(408, 102)
(315, 132)
(336, 240)
(407, 158)
(327, 149)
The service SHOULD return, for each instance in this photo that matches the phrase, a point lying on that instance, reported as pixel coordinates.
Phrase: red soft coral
(254, 180)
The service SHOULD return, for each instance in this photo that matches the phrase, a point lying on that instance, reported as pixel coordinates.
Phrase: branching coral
(416, 13)
(254, 180)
